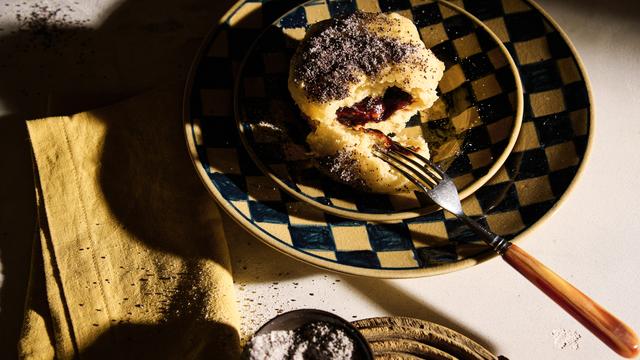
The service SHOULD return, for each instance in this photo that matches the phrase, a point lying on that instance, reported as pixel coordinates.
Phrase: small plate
(548, 157)
(471, 129)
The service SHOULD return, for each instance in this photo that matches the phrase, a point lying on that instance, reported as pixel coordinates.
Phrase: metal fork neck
(498, 243)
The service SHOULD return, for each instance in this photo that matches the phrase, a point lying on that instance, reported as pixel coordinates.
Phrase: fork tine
(412, 174)
(391, 151)
(409, 176)
(428, 164)
(414, 167)
(384, 157)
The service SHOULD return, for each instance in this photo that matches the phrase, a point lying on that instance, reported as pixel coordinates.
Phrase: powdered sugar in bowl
(308, 334)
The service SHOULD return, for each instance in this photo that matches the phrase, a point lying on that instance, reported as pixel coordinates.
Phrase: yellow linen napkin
(130, 259)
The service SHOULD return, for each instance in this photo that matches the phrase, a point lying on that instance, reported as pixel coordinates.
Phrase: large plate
(551, 148)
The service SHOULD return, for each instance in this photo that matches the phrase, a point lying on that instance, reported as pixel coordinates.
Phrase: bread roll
(358, 79)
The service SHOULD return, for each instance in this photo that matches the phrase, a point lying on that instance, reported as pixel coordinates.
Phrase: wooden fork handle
(613, 332)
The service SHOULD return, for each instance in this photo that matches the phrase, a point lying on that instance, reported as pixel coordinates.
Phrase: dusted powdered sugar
(566, 339)
(344, 167)
(273, 345)
(323, 341)
(339, 50)
(314, 341)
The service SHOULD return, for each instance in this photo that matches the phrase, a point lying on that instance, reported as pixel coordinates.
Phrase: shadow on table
(398, 302)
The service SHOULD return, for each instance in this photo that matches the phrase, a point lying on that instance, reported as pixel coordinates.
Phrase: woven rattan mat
(408, 338)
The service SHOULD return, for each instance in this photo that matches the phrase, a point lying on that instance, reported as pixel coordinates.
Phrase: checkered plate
(551, 147)
(471, 129)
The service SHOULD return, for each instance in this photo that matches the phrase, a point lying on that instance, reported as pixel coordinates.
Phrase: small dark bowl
(293, 320)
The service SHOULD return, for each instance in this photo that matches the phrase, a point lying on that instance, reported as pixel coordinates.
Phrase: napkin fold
(129, 260)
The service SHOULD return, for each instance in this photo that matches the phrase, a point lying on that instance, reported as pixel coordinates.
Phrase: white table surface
(592, 240)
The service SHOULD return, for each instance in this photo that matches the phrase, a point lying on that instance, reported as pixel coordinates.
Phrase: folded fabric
(130, 259)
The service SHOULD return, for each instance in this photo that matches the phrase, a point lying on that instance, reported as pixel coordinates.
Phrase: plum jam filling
(374, 109)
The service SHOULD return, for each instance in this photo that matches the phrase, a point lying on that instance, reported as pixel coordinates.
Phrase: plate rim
(401, 214)
(361, 271)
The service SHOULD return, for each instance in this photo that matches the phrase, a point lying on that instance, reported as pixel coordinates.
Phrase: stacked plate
(513, 128)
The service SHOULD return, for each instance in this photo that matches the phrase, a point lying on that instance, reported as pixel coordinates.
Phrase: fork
(430, 179)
